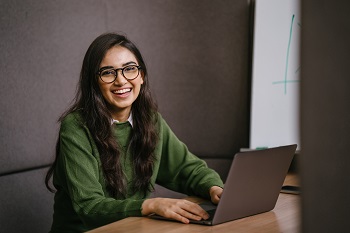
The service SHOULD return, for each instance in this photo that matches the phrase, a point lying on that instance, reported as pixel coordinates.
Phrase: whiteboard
(275, 74)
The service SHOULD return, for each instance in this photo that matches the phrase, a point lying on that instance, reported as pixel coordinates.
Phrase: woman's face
(121, 93)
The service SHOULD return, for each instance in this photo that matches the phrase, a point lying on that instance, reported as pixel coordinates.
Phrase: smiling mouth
(121, 91)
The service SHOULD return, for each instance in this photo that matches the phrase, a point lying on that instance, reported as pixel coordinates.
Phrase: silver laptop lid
(254, 183)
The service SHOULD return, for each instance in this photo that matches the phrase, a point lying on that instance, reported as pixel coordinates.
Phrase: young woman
(113, 147)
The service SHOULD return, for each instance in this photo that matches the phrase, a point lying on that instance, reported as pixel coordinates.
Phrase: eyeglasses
(109, 75)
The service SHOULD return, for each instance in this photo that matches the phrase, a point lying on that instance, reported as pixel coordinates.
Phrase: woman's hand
(215, 194)
(177, 209)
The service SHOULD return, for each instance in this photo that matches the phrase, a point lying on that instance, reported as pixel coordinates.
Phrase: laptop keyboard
(210, 208)
(211, 214)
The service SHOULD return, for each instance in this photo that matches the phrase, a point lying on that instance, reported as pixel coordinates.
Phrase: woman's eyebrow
(129, 63)
(111, 67)
(105, 68)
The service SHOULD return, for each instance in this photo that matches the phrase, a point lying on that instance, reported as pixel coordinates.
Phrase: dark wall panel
(42, 44)
(25, 204)
(197, 53)
(325, 116)
(200, 73)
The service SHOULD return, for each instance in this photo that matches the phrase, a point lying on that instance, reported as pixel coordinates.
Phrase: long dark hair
(96, 116)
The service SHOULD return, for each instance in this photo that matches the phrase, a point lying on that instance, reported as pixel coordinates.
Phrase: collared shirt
(129, 120)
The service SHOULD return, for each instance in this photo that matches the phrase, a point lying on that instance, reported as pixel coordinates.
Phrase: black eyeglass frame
(116, 72)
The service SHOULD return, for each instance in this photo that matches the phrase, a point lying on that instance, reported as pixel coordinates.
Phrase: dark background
(197, 54)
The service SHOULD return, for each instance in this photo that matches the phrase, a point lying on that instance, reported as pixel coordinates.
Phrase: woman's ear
(142, 77)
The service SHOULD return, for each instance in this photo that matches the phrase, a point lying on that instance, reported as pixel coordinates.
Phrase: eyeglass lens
(129, 72)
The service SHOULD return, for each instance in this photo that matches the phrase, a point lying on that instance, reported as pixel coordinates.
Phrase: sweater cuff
(137, 207)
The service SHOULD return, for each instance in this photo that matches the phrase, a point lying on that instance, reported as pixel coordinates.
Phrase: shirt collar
(129, 120)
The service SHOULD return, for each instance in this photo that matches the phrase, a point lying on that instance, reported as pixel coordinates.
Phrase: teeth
(122, 91)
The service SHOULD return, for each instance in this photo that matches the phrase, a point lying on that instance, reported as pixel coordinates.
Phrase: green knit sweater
(82, 202)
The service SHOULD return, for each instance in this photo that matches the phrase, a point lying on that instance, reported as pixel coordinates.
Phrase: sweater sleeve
(79, 176)
(182, 171)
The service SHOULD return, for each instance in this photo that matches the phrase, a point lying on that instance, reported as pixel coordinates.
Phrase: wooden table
(285, 217)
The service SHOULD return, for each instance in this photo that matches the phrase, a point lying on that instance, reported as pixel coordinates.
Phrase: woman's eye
(130, 68)
(107, 72)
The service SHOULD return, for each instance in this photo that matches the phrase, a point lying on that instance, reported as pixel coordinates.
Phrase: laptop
(252, 186)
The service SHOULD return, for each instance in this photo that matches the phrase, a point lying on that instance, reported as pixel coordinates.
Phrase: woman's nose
(120, 80)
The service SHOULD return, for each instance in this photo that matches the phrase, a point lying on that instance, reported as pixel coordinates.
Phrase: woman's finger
(180, 210)
(194, 211)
